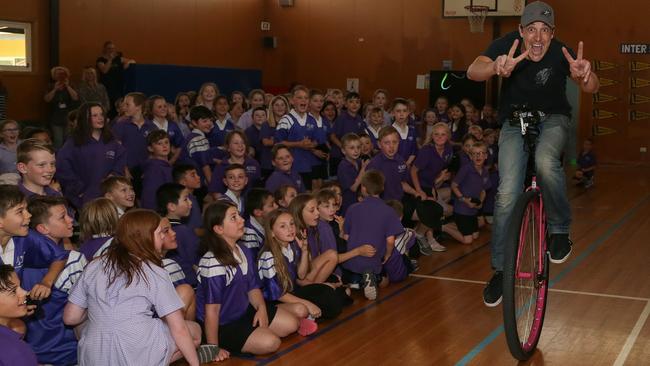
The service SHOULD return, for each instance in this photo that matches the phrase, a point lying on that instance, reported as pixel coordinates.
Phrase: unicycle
(525, 272)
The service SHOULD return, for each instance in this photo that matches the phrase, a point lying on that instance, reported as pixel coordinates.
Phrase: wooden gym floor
(597, 310)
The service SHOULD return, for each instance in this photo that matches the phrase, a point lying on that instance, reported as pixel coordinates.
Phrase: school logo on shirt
(251, 170)
(19, 262)
(110, 154)
(410, 138)
(401, 168)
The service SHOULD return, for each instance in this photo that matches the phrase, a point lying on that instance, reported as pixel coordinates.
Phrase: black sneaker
(493, 291)
(559, 248)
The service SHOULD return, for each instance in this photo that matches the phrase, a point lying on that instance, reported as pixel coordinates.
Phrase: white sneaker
(437, 247)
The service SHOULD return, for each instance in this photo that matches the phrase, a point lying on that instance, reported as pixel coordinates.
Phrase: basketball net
(476, 16)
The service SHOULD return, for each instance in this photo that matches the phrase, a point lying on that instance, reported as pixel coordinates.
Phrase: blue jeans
(554, 131)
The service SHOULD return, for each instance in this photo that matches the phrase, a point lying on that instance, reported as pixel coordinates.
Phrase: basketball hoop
(476, 17)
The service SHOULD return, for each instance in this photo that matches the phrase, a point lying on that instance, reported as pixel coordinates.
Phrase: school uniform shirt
(347, 173)
(388, 119)
(320, 239)
(408, 141)
(470, 183)
(253, 237)
(237, 200)
(253, 172)
(226, 285)
(81, 169)
(217, 135)
(430, 163)
(345, 123)
(395, 173)
(198, 152)
(14, 350)
(292, 127)
(134, 140)
(262, 153)
(370, 221)
(95, 246)
(321, 133)
(457, 132)
(186, 255)
(374, 135)
(51, 340)
(279, 178)
(33, 251)
(7, 159)
(465, 159)
(49, 191)
(175, 272)
(155, 173)
(195, 220)
(173, 130)
(271, 285)
(443, 117)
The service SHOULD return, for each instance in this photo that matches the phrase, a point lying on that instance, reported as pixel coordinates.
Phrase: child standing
(98, 222)
(229, 301)
(284, 174)
(89, 156)
(296, 131)
(157, 170)
(321, 132)
(120, 191)
(173, 203)
(259, 203)
(408, 146)
(116, 294)
(260, 137)
(14, 306)
(348, 121)
(350, 170)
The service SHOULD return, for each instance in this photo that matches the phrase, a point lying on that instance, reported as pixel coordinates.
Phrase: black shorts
(233, 336)
(467, 224)
(319, 171)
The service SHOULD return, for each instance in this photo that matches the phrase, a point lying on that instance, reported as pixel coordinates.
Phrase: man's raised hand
(580, 68)
(504, 64)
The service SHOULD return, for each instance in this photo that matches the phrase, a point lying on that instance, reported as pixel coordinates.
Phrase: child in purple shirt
(442, 109)
(229, 301)
(408, 146)
(197, 150)
(321, 132)
(98, 221)
(469, 187)
(350, 170)
(156, 170)
(36, 164)
(14, 350)
(236, 145)
(259, 203)
(188, 177)
(283, 173)
(235, 180)
(88, 157)
(349, 120)
(120, 191)
(372, 222)
(173, 202)
(376, 122)
(260, 137)
(158, 112)
(296, 131)
(222, 123)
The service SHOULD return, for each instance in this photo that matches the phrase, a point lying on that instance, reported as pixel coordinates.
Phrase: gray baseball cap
(538, 11)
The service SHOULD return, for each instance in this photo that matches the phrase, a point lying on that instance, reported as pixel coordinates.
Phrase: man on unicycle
(534, 67)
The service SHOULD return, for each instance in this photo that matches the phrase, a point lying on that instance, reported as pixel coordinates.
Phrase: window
(15, 46)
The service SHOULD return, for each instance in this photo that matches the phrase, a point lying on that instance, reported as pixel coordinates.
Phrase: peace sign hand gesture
(580, 68)
(504, 64)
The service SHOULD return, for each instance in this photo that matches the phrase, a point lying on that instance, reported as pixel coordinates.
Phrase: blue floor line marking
(590, 249)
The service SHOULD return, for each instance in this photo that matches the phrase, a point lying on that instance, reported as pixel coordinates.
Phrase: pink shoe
(307, 327)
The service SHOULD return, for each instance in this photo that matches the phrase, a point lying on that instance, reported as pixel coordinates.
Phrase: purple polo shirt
(81, 169)
(464, 158)
(253, 172)
(14, 350)
(470, 183)
(347, 173)
(155, 172)
(262, 153)
(49, 191)
(134, 140)
(195, 220)
(90, 247)
(395, 173)
(279, 178)
(345, 123)
(187, 252)
(293, 128)
(173, 130)
(407, 144)
(217, 135)
(430, 163)
(320, 239)
(370, 221)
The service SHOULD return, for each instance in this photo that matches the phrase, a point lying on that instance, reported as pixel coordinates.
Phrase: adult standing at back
(92, 91)
(111, 65)
(62, 99)
(534, 67)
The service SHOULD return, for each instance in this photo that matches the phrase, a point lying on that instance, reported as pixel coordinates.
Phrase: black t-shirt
(113, 80)
(60, 105)
(541, 85)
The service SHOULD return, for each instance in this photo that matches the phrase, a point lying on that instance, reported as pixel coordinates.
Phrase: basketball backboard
(497, 8)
